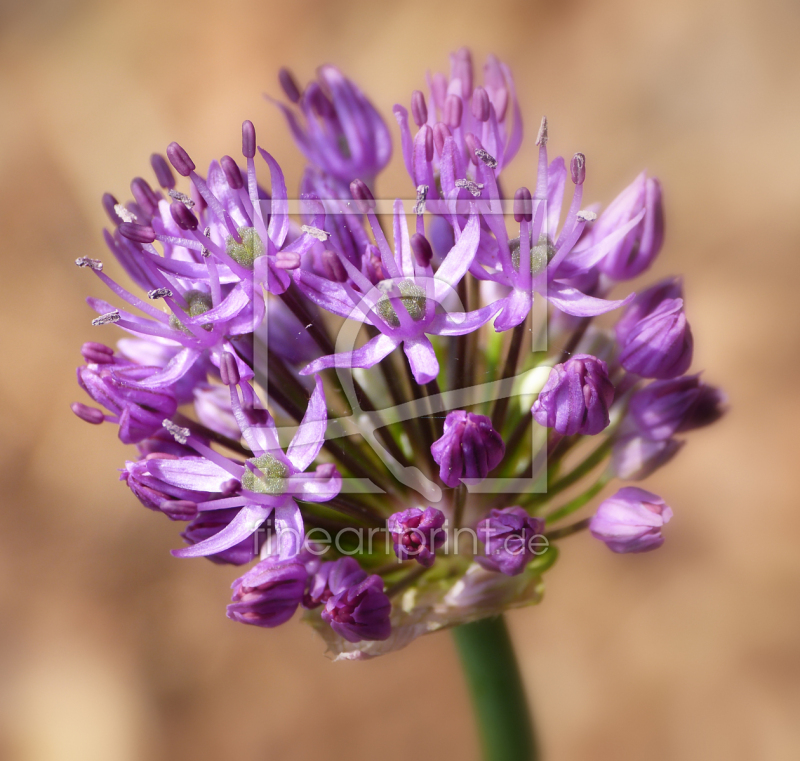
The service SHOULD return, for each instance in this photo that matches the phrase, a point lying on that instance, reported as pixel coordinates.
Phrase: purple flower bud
(360, 612)
(469, 448)
(576, 397)
(269, 593)
(417, 534)
(453, 111)
(423, 252)
(233, 175)
(440, 133)
(419, 109)
(635, 457)
(666, 407)
(511, 539)
(631, 521)
(660, 345)
(523, 207)
(646, 302)
(137, 233)
(334, 269)
(577, 168)
(89, 414)
(211, 522)
(480, 104)
(289, 85)
(183, 216)
(636, 251)
(248, 139)
(331, 578)
(162, 171)
(180, 159)
(362, 195)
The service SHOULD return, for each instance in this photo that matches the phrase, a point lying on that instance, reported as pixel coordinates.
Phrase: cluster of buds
(402, 481)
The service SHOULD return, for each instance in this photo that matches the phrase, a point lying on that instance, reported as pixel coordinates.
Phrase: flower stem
(498, 695)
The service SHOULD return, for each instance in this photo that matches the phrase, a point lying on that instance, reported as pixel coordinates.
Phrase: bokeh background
(110, 649)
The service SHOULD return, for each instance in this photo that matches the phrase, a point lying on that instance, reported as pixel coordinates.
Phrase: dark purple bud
(180, 159)
(523, 206)
(228, 369)
(453, 111)
(162, 171)
(470, 448)
(179, 509)
(660, 345)
(362, 195)
(419, 109)
(248, 139)
(440, 133)
(423, 252)
(97, 353)
(233, 175)
(334, 269)
(480, 104)
(109, 202)
(183, 216)
(330, 579)
(137, 233)
(89, 414)
(577, 168)
(289, 85)
(635, 457)
(145, 196)
(417, 534)
(360, 612)
(511, 539)
(666, 407)
(646, 302)
(631, 521)
(576, 397)
(269, 593)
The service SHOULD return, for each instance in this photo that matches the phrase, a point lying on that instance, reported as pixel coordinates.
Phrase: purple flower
(360, 612)
(511, 538)
(576, 397)
(337, 129)
(636, 251)
(666, 407)
(635, 457)
(331, 578)
(631, 521)
(469, 448)
(402, 306)
(417, 534)
(660, 345)
(269, 593)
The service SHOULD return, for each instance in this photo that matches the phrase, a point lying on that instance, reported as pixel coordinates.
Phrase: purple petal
(572, 301)
(310, 436)
(246, 523)
(367, 356)
(459, 259)
(516, 307)
(190, 473)
(461, 323)
(422, 359)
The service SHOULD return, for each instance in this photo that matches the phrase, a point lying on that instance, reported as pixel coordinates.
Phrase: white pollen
(123, 213)
(315, 232)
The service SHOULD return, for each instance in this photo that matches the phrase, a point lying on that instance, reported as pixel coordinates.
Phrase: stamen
(422, 195)
(233, 174)
(123, 213)
(162, 171)
(181, 435)
(159, 293)
(287, 260)
(315, 232)
(453, 111)
(89, 414)
(362, 195)
(248, 139)
(108, 317)
(578, 168)
(523, 208)
(419, 109)
(144, 195)
(85, 261)
(97, 354)
(182, 216)
(473, 187)
(289, 85)
(541, 137)
(440, 133)
(587, 216)
(423, 252)
(486, 158)
(182, 197)
(480, 104)
(180, 159)
(228, 369)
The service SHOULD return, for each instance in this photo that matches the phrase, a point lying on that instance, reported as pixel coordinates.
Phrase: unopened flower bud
(269, 593)
(469, 448)
(511, 539)
(631, 521)
(417, 534)
(360, 612)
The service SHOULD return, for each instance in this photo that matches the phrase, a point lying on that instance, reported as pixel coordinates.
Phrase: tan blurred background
(111, 650)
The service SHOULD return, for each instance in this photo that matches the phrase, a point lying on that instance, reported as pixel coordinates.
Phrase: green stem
(498, 695)
(579, 501)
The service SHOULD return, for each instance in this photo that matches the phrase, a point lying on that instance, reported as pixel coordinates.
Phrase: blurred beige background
(110, 649)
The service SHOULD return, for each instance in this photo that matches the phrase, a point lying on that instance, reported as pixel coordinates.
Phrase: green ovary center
(246, 252)
(198, 303)
(412, 298)
(273, 473)
(541, 254)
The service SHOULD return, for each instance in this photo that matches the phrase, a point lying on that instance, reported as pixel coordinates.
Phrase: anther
(423, 252)
(362, 195)
(486, 158)
(89, 414)
(97, 354)
(334, 269)
(287, 260)
(182, 197)
(123, 213)
(541, 137)
(107, 318)
(578, 168)
(137, 233)
(523, 208)
(144, 195)
(228, 369)
(159, 293)
(180, 159)
(162, 171)
(422, 195)
(85, 261)
(181, 435)
(233, 175)
(289, 85)
(419, 109)
(315, 232)
(453, 110)
(248, 139)
(586, 216)
(480, 104)
(473, 187)
(182, 216)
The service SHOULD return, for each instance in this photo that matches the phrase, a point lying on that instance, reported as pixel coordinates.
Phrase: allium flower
(417, 534)
(269, 593)
(360, 612)
(576, 397)
(331, 578)
(631, 521)
(511, 540)
(469, 448)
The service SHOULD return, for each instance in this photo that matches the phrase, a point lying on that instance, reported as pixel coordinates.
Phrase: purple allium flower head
(666, 407)
(211, 522)
(631, 520)
(511, 539)
(269, 593)
(635, 457)
(337, 129)
(660, 345)
(645, 303)
(417, 534)
(403, 305)
(636, 251)
(331, 578)
(469, 448)
(576, 397)
(360, 612)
